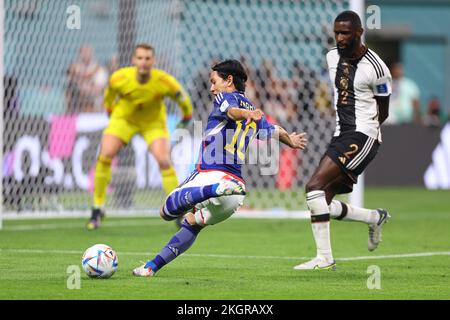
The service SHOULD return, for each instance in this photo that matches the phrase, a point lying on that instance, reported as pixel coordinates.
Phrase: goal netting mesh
(57, 59)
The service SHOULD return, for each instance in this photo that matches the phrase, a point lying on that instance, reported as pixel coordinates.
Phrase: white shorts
(213, 210)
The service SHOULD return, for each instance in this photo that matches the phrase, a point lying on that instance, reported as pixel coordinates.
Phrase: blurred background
(58, 56)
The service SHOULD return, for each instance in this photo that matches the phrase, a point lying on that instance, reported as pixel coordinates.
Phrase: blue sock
(179, 243)
(185, 199)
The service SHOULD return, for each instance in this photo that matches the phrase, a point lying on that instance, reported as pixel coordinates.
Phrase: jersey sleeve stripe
(376, 64)
(217, 128)
(377, 61)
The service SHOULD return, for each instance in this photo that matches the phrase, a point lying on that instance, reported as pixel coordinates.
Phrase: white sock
(343, 211)
(320, 223)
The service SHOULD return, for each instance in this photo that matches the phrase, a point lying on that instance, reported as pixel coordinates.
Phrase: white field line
(81, 225)
(243, 213)
(226, 256)
(398, 256)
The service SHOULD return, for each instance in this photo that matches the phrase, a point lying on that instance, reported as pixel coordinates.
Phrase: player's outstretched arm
(294, 140)
(111, 91)
(238, 114)
(108, 101)
(178, 94)
(184, 102)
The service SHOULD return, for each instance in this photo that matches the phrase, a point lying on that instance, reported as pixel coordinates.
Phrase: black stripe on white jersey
(377, 62)
(376, 65)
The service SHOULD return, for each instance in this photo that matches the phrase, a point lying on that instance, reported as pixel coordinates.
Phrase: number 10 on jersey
(236, 146)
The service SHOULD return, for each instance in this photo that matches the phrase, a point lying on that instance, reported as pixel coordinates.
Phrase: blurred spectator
(251, 87)
(286, 104)
(201, 96)
(323, 95)
(86, 80)
(112, 65)
(304, 82)
(433, 116)
(404, 106)
(270, 89)
(268, 80)
(251, 91)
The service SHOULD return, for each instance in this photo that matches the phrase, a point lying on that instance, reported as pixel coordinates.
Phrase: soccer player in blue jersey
(215, 190)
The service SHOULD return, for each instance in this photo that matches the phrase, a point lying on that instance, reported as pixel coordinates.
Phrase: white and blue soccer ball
(100, 261)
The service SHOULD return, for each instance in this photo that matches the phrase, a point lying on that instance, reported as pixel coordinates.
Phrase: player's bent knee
(190, 219)
(166, 217)
(314, 184)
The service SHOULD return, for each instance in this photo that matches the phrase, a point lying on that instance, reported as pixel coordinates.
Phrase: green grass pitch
(240, 258)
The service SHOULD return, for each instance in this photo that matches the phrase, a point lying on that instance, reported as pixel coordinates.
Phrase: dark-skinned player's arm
(383, 108)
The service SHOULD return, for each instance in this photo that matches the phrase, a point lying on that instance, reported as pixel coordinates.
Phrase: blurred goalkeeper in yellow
(134, 99)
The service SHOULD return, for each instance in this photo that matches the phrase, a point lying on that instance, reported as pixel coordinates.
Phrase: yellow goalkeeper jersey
(143, 104)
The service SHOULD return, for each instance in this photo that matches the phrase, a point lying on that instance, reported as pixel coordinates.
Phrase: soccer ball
(100, 261)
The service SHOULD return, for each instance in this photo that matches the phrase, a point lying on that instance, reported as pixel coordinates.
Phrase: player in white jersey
(362, 86)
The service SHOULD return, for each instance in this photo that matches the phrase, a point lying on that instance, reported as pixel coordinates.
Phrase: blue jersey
(226, 141)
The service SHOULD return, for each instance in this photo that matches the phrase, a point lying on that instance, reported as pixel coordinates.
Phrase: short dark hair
(349, 15)
(145, 46)
(234, 68)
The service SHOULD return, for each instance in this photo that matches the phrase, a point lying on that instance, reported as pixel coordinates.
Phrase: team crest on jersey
(343, 83)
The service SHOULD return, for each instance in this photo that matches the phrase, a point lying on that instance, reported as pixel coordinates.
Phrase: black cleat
(96, 219)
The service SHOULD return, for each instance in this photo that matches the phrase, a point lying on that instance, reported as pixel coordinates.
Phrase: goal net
(57, 59)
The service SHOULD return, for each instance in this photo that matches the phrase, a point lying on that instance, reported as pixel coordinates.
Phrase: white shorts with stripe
(213, 210)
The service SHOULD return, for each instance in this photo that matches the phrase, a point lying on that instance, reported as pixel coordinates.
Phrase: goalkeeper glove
(109, 111)
(185, 122)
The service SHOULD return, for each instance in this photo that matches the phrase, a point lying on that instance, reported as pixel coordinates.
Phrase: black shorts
(352, 152)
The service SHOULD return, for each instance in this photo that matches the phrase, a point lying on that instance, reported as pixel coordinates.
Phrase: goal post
(356, 198)
(57, 57)
(2, 91)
